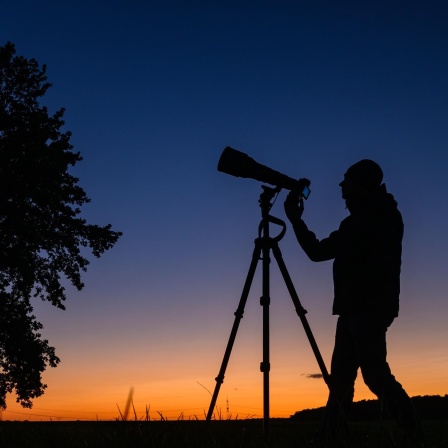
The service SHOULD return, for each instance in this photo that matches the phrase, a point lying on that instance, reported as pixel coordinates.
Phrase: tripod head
(267, 195)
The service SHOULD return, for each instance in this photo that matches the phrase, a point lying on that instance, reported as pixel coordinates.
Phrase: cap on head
(366, 173)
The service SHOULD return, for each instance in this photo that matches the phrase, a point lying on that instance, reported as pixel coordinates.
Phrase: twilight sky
(153, 91)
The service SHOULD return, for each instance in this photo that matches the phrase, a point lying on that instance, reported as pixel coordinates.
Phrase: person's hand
(294, 206)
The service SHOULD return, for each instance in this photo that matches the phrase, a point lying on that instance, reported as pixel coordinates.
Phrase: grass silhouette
(144, 432)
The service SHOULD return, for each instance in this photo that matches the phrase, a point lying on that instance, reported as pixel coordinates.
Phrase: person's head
(361, 179)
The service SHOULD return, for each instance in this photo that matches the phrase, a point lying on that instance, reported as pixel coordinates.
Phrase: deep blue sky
(154, 90)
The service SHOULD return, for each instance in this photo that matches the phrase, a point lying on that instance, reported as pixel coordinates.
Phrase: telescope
(239, 164)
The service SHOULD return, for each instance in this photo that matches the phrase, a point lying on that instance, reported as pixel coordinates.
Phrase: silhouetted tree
(43, 239)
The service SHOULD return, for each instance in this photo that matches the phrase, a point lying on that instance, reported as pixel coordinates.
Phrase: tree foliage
(43, 238)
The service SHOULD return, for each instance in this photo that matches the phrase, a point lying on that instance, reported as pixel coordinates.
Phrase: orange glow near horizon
(239, 398)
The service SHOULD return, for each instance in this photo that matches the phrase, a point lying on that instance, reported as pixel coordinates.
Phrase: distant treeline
(428, 407)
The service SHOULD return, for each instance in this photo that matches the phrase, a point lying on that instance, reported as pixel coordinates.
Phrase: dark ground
(284, 433)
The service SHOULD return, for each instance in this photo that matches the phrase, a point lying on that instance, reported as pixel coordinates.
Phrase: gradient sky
(153, 91)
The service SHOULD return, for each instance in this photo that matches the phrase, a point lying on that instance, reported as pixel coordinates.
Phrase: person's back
(368, 258)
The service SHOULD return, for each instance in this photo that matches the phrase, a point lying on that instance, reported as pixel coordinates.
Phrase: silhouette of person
(366, 272)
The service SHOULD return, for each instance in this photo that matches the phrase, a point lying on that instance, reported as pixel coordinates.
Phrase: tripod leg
(300, 311)
(238, 316)
(265, 300)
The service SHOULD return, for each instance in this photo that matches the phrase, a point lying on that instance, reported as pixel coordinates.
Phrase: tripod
(263, 245)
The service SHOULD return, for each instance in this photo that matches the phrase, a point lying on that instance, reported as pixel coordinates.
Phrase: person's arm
(317, 250)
